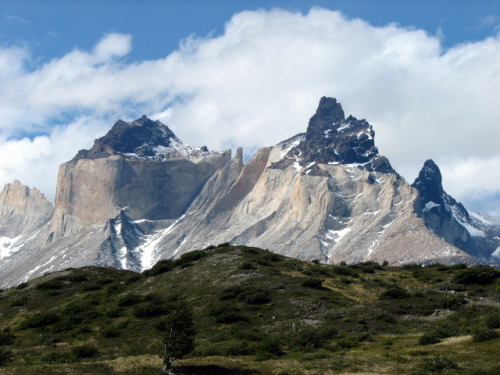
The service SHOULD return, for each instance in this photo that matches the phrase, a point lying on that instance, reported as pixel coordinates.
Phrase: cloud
(259, 83)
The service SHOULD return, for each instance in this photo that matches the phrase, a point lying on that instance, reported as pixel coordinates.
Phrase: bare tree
(177, 335)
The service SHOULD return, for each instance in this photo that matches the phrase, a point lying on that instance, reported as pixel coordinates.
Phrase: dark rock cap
(137, 137)
(331, 138)
(430, 183)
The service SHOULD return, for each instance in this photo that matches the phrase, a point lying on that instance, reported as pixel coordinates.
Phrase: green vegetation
(241, 310)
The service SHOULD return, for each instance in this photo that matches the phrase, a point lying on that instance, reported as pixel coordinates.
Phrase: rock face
(140, 195)
(333, 139)
(22, 210)
(475, 233)
(140, 168)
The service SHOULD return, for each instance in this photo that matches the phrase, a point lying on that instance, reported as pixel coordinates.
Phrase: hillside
(256, 312)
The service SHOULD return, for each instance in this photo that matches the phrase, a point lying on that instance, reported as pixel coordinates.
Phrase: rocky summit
(140, 194)
(333, 139)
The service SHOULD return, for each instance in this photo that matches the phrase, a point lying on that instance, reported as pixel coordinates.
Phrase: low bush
(394, 292)
(226, 314)
(309, 338)
(368, 267)
(52, 284)
(344, 271)
(313, 283)
(480, 334)
(151, 310)
(437, 364)
(160, 267)
(5, 355)
(492, 320)
(22, 286)
(85, 351)
(40, 320)
(56, 357)
(247, 266)
(429, 338)
(477, 275)
(77, 278)
(187, 259)
(7, 338)
(230, 293)
(110, 333)
(254, 296)
(271, 346)
(130, 299)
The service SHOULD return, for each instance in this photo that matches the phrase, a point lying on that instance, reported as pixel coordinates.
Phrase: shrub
(19, 302)
(53, 284)
(437, 364)
(254, 296)
(309, 338)
(129, 299)
(394, 292)
(346, 343)
(429, 338)
(480, 334)
(151, 310)
(344, 271)
(114, 289)
(188, 258)
(22, 286)
(492, 320)
(313, 283)
(271, 257)
(368, 267)
(77, 278)
(80, 309)
(110, 333)
(7, 338)
(40, 320)
(226, 314)
(247, 266)
(114, 312)
(271, 345)
(56, 357)
(5, 355)
(477, 275)
(85, 351)
(160, 267)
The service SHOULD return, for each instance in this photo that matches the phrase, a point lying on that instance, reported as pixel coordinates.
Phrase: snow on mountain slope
(140, 195)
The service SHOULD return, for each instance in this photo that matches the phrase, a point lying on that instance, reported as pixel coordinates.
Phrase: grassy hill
(256, 312)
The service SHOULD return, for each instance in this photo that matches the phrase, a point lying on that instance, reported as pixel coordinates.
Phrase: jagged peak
(333, 139)
(141, 138)
(328, 113)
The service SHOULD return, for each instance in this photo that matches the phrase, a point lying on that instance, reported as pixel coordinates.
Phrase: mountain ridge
(140, 195)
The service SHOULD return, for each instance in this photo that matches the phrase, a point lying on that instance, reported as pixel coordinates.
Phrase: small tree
(177, 335)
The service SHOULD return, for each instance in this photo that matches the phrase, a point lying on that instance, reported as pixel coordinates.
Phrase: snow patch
(496, 253)
(337, 235)
(9, 246)
(430, 205)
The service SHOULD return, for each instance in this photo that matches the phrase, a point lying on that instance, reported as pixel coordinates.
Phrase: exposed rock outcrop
(22, 210)
(476, 234)
(140, 195)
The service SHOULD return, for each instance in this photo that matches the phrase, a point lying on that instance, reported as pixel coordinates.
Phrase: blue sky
(53, 27)
(250, 73)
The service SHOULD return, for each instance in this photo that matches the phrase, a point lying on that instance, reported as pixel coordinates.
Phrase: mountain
(476, 233)
(140, 195)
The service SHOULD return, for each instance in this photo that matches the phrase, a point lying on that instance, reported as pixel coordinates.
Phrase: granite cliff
(140, 195)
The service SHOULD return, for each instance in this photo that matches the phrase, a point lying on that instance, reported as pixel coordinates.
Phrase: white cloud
(112, 45)
(260, 82)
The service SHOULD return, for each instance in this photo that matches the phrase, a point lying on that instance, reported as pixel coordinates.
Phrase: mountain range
(140, 195)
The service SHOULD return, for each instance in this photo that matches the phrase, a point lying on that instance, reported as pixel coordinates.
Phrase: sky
(425, 74)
